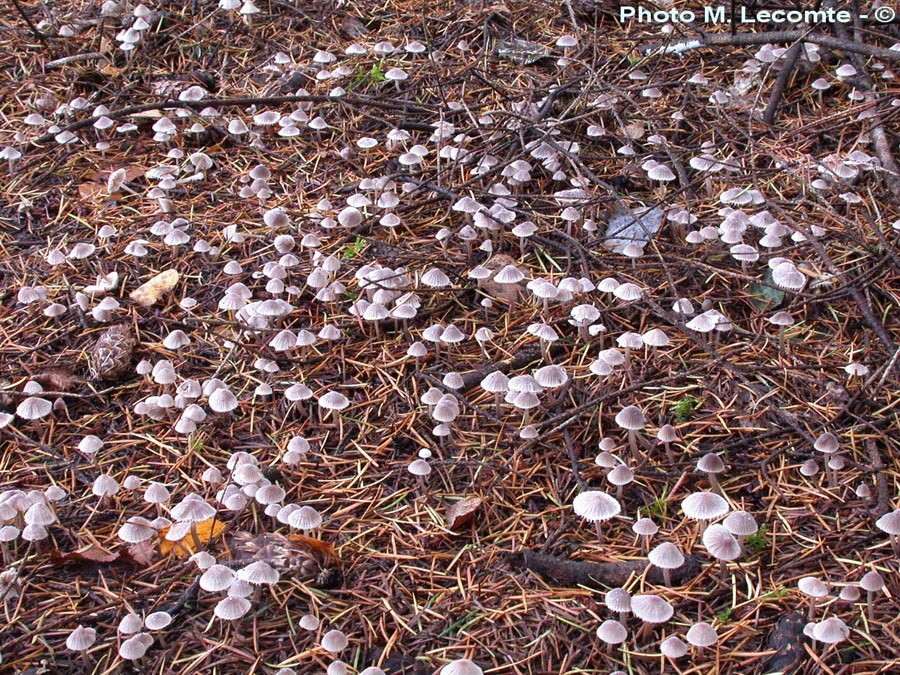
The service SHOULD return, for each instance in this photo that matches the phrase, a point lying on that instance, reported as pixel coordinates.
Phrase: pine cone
(111, 356)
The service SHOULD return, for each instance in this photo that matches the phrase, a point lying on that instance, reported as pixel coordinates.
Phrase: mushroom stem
(870, 607)
(195, 538)
(632, 443)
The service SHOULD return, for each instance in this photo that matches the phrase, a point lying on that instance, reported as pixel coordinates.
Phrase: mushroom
(722, 545)
(620, 476)
(618, 600)
(703, 507)
(596, 507)
(814, 589)
(461, 667)
(741, 524)
(871, 583)
(631, 418)
(651, 609)
(667, 557)
(645, 528)
(701, 635)
(889, 523)
(711, 464)
(612, 632)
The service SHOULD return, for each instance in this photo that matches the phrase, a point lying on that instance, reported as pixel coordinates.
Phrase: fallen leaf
(461, 513)
(142, 552)
(151, 292)
(91, 554)
(315, 545)
(207, 531)
(58, 378)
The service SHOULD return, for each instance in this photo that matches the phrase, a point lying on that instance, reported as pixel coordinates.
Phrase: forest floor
(317, 190)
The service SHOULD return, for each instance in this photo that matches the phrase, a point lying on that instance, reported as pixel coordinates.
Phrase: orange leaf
(207, 531)
(315, 545)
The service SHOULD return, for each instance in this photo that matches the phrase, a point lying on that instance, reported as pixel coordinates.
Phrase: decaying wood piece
(591, 574)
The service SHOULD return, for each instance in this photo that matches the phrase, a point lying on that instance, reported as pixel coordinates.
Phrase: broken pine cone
(303, 558)
(110, 358)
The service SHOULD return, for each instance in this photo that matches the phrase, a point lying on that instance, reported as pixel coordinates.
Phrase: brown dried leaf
(151, 292)
(142, 552)
(91, 554)
(508, 292)
(59, 378)
(461, 513)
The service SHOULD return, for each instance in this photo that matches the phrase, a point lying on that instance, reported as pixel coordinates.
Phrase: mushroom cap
(618, 600)
(216, 578)
(827, 443)
(831, 631)
(334, 641)
(813, 587)
(104, 486)
(595, 506)
(612, 632)
(193, 508)
(740, 523)
(711, 463)
(850, 593)
(702, 634)
(704, 506)
(651, 608)
(871, 581)
(889, 523)
(620, 475)
(157, 620)
(222, 400)
(551, 376)
(137, 529)
(461, 667)
(81, 638)
(231, 607)
(666, 556)
(134, 647)
(645, 527)
(721, 544)
(258, 572)
(334, 400)
(495, 382)
(673, 647)
(309, 622)
(33, 408)
(666, 434)
(631, 417)
(305, 518)
(419, 467)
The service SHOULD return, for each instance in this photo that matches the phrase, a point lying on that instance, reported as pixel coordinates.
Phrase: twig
(781, 82)
(590, 574)
(745, 39)
(75, 58)
(34, 30)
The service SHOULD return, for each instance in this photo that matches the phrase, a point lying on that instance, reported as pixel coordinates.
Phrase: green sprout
(363, 78)
(756, 542)
(685, 408)
(354, 249)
